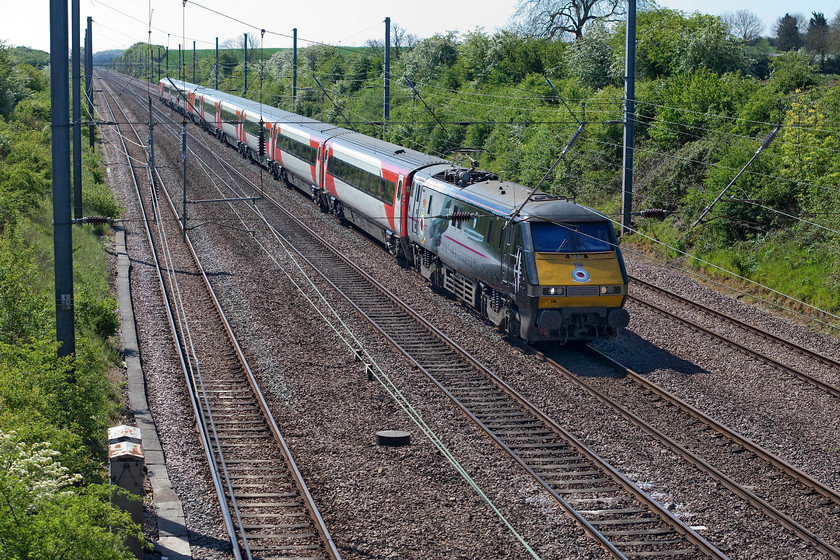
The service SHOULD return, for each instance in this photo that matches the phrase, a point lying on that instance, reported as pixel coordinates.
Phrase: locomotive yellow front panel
(580, 280)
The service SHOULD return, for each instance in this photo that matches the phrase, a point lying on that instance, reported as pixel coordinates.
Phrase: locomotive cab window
(591, 237)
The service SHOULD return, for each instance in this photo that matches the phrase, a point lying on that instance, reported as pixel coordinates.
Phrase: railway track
(609, 507)
(743, 346)
(771, 485)
(266, 506)
(628, 526)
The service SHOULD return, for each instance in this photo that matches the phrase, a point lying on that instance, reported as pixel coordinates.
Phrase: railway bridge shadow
(645, 357)
(629, 349)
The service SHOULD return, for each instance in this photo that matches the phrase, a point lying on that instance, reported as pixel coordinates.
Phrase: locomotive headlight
(554, 291)
(611, 290)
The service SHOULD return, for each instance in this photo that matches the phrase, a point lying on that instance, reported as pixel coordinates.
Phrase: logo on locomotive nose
(580, 274)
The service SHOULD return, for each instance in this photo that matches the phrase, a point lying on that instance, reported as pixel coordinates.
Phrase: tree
(43, 516)
(708, 46)
(817, 36)
(793, 70)
(400, 40)
(238, 42)
(227, 62)
(744, 25)
(558, 18)
(669, 42)
(590, 57)
(475, 55)
(430, 57)
(788, 36)
(834, 35)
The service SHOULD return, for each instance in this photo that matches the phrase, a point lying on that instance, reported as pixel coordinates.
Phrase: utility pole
(76, 62)
(179, 62)
(89, 80)
(629, 118)
(245, 89)
(294, 64)
(88, 76)
(217, 63)
(184, 175)
(194, 62)
(387, 109)
(152, 181)
(62, 224)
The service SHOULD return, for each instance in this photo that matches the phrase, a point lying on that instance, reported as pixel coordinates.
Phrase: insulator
(262, 144)
(95, 220)
(459, 216)
(658, 213)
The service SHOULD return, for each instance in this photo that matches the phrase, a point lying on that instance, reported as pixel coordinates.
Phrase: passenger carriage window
(365, 181)
(298, 149)
(229, 116)
(209, 109)
(252, 127)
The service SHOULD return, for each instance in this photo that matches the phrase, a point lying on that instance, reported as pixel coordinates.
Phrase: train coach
(546, 270)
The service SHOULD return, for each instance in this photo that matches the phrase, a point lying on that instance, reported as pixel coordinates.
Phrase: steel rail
(810, 379)
(802, 532)
(273, 428)
(206, 445)
(744, 442)
(677, 524)
(823, 359)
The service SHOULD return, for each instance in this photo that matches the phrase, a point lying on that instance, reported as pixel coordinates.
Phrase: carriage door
(401, 207)
(513, 267)
(414, 203)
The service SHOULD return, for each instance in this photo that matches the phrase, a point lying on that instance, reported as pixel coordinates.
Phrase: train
(539, 267)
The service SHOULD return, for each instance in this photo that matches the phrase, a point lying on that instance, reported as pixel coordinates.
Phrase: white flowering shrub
(44, 514)
(32, 469)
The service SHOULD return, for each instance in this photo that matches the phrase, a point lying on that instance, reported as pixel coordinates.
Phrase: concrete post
(62, 232)
(76, 63)
(629, 118)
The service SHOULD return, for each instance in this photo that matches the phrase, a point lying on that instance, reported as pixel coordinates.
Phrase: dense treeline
(708, 94)
(54, 496)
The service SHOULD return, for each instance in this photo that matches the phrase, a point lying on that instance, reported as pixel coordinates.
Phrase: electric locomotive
(538, 266)
(551, 272)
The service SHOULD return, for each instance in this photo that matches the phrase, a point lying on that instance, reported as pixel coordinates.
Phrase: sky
(120, 23)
